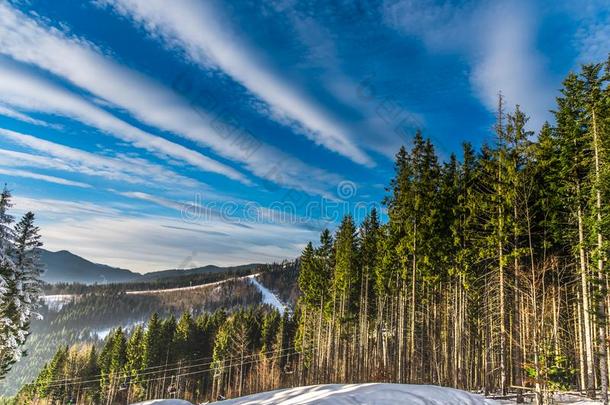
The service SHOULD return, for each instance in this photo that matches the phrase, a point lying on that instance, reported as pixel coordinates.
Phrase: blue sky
(154, 134)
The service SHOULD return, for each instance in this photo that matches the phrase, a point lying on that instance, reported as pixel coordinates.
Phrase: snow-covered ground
(103, 333)
(268, 297)
(55, 302)
(561, 399)
(165, 402)
(378, 394)
(192, 287)
(369, 394)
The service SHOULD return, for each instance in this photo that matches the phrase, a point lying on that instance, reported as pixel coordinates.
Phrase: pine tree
(346, 276)
(311, 281)
(90, 374)
(11, 335)
(572, 185)
(184, 336)
(594, 103)
(154, 351)
(28, 270)
(135, 351)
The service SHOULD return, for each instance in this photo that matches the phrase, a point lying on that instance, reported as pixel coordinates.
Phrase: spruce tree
(154, 350)
(346, 276)
(11, 333)
(28, 270)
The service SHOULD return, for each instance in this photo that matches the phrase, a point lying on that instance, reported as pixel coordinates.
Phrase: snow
(560, 399)
(374, 394)
(55, 302)
(103, 333)
(193, 287)
(268, 296)
(370, 394)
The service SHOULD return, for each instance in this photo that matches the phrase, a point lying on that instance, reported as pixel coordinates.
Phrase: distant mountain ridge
(210, 268)
(66, 267)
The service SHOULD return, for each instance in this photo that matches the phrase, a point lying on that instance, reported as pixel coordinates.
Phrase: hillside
(209, 269)
(66, 267)
(87, 314)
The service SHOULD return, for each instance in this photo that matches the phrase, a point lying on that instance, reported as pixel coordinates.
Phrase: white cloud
(157, 243)
(9, 112)
(33, 93)
(79, 62)
(42, 177)
(47, 209)
(204, 36)
(106, 234)
(123, 168)
(164, 202)
(592, 38)
(498, 41)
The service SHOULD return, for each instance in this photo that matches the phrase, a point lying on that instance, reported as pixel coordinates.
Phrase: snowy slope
(175, 289)
(268, 297)
(370, 394)
(57, 301)
(165, 402)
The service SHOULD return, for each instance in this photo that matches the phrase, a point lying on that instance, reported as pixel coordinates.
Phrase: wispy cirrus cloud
(60, 157)
(126, 241)
(496, 39)
(42, 177)
(196, 28)
(592, 37)
(30, 92)
(79, 62)
(53, 209)
(12, 113)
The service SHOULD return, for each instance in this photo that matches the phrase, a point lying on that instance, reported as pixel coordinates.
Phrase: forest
(88, 313)
(490, 274)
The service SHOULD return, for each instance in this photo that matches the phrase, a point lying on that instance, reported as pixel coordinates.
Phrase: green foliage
(552, 371)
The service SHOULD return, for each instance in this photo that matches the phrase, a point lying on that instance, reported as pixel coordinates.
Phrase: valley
(83, 314)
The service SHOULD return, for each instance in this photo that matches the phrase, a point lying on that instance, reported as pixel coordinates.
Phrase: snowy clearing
(561, 399)
(192, 287)
(370, 394)
(374, 394)
(55, 302)
(268, 297)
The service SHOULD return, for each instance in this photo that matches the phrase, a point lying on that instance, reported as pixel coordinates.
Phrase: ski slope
(55, 302)
(187, 288)
(268, 297)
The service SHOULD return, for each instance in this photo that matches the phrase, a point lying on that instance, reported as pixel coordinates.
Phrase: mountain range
(66, 267)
